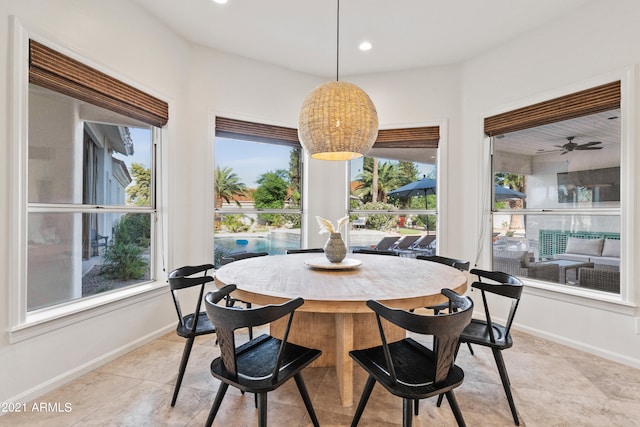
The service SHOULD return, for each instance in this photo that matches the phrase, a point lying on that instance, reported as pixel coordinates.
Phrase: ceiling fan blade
(582, 147)
(589, 144)
(548, 151)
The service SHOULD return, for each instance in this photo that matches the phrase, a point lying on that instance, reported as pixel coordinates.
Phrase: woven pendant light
(338, 120)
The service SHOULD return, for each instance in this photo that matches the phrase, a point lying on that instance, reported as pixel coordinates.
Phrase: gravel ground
(93, 282)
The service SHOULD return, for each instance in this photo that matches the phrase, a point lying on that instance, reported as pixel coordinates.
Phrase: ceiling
(604, 127)
(301, 34)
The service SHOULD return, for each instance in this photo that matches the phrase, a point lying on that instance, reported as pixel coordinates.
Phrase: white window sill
(47, 320)
(590, 298)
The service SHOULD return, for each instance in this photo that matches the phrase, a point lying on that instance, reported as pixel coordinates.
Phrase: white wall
(200, 84)
(112, 36)
(596, 42)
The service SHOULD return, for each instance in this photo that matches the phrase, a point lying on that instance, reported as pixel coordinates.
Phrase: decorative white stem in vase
(335, 250)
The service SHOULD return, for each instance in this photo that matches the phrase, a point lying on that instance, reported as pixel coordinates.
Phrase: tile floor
(553, 386)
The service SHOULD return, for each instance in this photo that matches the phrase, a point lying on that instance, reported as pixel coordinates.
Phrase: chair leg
(305, 398)
(407, 412)
(455, 356)
(183, 366)
(250, 328)
(502, 369)
(416, 405)
(262, 409)
(216, 403)
(455, 408)
(470, 349)
(368, 388)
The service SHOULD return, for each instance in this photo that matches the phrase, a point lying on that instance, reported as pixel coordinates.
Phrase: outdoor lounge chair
(405, 243)
(386, 243)
(360, 222)
(425, 245)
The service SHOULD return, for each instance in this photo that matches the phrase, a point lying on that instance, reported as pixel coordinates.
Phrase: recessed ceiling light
(220, 1)
(364, 46)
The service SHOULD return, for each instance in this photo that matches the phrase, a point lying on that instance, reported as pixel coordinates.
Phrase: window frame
(624, 301)
(423, 135)
(258, 132)
(22, 324)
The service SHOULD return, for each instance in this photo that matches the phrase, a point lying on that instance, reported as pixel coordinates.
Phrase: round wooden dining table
(334, 316)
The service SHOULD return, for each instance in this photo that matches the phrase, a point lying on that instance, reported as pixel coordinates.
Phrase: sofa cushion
(522, 256)
(611, 248)
(572, 257)
(584, 246)
(606, 263)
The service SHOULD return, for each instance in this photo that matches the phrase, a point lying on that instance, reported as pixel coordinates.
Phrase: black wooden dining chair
(305, 251)
(242, 255)
(451, 262)
(192, 324)
(491, 334)
(229, 300)
(375, 252)
(262, 364)
(410, 370)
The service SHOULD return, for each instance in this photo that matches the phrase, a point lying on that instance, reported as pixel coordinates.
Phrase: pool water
(255, 244)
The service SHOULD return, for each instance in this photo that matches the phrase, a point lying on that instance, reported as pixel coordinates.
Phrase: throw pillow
(611, 248)
(579, 246)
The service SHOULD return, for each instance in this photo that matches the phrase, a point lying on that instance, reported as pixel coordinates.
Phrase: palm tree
(515, 182)
(375, 182)
(228, 186)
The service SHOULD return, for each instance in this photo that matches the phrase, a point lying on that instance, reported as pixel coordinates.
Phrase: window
(90, 203)
(557, 201)
(258, 188)
(393, 193)
(89, 186)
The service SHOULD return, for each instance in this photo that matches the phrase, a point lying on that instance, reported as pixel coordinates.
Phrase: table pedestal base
(336, 334)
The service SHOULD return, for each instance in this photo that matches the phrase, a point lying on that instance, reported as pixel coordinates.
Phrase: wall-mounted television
(594, 185)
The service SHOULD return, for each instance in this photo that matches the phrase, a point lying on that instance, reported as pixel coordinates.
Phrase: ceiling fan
(571, 146)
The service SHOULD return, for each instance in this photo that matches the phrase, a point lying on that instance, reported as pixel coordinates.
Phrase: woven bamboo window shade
(53, 70)
(258, 132)
(590, 101)
(420, 137)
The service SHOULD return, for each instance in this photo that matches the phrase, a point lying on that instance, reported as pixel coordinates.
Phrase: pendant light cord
(338, 42)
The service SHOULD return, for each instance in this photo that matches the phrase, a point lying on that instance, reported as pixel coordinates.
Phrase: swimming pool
(274, 246)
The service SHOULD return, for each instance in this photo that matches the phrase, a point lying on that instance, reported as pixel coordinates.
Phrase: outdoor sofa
(522, 264)
(603, 253)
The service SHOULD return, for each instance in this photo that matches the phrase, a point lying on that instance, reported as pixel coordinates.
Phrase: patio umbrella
(505, 193)
(425, 186)
(421, 187)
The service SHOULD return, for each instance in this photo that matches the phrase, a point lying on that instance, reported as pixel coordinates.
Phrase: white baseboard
(59, 380)
(596, 351)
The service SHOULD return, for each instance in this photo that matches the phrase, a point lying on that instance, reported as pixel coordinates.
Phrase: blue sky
(141, 138)
(423, 168)
(250, 159)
